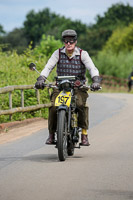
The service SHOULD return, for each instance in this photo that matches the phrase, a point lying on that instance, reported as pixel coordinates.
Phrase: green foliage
(1, 30)
(93, 40)
(48, 23)
(112, 64)
(116, 57)
(14, 71)
(51, 24)
(121, 40)
(112, 32)
(47, 46)
(15, 40)
(117, 15)
(90, 37)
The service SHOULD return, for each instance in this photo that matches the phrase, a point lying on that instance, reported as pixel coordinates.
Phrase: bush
(14, 70)
(121, 40)
(119, 65)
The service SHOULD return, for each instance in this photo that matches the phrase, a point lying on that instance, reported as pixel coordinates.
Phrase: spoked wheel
(62, 135)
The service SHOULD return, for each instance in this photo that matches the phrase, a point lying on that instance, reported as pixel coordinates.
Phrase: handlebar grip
(42, 86)
(92, 89)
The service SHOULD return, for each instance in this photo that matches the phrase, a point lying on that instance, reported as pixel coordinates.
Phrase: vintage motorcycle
(67, 114)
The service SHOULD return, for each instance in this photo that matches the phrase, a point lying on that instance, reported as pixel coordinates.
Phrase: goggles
(70, 40)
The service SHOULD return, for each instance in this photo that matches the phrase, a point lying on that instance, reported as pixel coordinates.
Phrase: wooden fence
(108, 81)
(11, 110)
(114, 82)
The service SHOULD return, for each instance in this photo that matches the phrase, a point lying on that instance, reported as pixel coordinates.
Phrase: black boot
(51, 139)
(84, 140)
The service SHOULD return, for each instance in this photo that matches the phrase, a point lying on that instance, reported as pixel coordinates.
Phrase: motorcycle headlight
(66, 85)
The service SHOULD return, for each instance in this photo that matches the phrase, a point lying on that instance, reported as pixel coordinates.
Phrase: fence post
(22, 98)
(22, 108)
(10, 103)
(38, 96)
(38, 99)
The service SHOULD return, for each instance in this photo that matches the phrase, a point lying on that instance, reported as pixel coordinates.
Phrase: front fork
(74, 127)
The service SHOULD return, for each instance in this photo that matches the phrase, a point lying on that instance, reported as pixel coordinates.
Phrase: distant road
(30, 170)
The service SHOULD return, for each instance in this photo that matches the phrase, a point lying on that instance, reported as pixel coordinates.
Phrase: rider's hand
(40, 82)
(96, 83)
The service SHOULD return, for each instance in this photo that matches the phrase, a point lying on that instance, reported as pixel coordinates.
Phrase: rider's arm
(50, 64)
(87, 61)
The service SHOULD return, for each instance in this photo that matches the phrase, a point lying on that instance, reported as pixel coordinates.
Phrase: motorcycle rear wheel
(62, 135)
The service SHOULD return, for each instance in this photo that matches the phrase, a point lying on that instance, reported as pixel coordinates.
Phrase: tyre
(70, 150)
(62, 135)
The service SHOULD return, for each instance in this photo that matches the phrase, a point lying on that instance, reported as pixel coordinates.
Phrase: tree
(118, 15)
(15, 40)
(2, 30)
(48, 23)
(91, 38)
(121, 40)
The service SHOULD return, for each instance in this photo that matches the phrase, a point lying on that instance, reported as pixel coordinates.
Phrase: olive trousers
(83, 110)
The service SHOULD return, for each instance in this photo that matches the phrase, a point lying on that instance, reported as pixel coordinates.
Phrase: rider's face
(70, 43)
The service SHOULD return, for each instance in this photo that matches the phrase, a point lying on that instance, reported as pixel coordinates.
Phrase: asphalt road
(30, 170)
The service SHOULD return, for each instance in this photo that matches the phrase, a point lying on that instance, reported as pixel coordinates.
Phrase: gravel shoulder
(16, 130)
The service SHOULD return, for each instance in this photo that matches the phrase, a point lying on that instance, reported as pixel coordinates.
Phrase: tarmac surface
(29, 169)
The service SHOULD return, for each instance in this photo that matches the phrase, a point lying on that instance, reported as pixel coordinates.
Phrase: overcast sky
(13, 12)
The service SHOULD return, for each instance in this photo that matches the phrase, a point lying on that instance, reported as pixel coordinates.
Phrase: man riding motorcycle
(71, 61)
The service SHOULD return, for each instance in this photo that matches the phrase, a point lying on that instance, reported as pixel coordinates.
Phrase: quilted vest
(70, 67)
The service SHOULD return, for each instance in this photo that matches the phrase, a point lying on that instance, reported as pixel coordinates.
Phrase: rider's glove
(40, 82)
(96, 80)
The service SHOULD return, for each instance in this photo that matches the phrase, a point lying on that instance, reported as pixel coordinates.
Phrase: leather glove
(96, 83)
(40, 82)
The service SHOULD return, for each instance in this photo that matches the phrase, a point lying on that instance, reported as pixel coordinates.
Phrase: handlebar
(50, 85)
(87, 87)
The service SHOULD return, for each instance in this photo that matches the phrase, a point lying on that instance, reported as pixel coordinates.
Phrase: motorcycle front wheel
(62, 135)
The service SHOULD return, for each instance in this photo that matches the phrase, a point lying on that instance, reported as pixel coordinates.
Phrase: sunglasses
(70, 41)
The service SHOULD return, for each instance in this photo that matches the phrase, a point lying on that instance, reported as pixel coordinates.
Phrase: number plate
(132, 78)
(63, 98)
